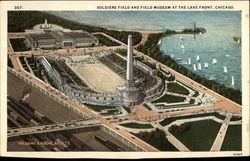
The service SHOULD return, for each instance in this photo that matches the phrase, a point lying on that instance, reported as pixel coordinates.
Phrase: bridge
(52, 127)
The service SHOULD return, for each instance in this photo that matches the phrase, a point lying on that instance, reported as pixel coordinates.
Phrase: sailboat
(159, 43)
(232, 80)
(195, 67)
(225, 69)
(205, 64)
(181, 39)
(189, 61)
(198, 58)
(214, 61)
(199, 66)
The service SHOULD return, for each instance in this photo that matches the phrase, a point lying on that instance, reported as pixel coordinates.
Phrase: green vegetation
(235, 118)
(180, 129)
(36, 70)
(105, 41)
(122, 52)
(156, 138)
(127, 109)
(10, 63)
(18, 45)
(192, 101)
(176, 88)
(196, 93)
(99, 108)
(168, 121)
(173, 106)
(38, 74)
(233, 139)
(137, 125)
(145, 105)
(219, 116)
(151, 49)
(170, 78)
(198, 135)
(170, 99)
(23, 63)
(110, 112)
(18, 21)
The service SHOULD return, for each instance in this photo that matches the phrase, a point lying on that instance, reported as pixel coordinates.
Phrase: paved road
(172, 139)
(109, 37)
(221, 135)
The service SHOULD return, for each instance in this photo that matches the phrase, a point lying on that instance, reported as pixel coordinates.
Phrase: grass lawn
(176, 88)
(127, 109)
(145, 105)
(200, 136)
(137, 125)
(168, 121)
(232, 141)
(98, 108)
(18, 45)
(105, 41)
(110, 112)
(158, 141)
(235, 118)
(170, 99)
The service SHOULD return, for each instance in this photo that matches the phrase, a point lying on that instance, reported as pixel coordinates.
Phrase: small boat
(197, 57)
(182, 46)
(206, 65)
(199, 66)
(195, 67)
(212, 78)
(172, 55)
(189, 61)
(227, 55)
(178, 59)
(181, 38)
(159, 43)
(232, 83)
(225, 69)
(214, 61)
(183, 62)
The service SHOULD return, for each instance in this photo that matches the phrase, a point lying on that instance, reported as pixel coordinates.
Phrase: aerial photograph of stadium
(141, 81)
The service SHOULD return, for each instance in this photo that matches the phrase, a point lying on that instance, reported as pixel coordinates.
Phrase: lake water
(217, 42)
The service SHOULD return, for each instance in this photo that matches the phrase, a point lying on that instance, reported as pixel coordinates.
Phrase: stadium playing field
(100, 77)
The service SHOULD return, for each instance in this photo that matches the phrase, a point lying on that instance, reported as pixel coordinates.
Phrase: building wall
(60, 42)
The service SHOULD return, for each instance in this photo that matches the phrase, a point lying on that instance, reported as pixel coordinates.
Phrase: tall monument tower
(130, 93)
(130, 79)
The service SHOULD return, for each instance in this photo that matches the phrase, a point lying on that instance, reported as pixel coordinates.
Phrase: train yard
(21, 115)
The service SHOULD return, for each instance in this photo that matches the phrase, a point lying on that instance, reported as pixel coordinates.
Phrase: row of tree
(151, 49)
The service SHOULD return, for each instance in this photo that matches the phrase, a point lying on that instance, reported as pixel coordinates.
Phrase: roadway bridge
(52, 127)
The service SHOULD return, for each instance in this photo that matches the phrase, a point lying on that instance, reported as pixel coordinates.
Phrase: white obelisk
(130, 63)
